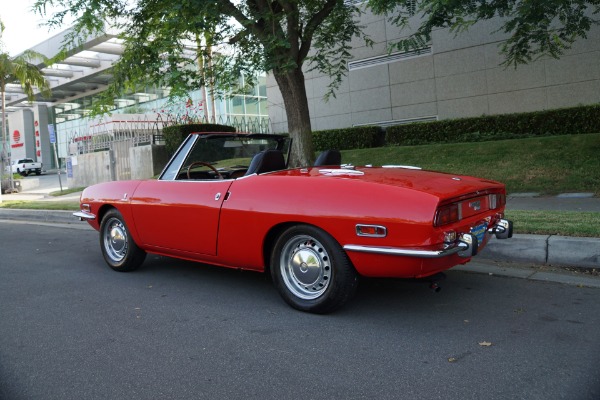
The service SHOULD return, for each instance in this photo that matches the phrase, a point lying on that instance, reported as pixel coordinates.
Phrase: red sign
(16, 136)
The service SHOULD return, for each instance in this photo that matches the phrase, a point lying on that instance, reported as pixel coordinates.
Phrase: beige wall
(145, 162)
(89, 169)
(461, 77)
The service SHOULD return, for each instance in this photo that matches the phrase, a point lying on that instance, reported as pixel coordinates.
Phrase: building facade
(455, 76)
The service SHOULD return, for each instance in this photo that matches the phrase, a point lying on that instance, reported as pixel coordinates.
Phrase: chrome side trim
(395, 251)
(83, 216)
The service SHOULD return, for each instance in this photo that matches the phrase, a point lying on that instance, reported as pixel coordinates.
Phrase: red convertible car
(230, 200)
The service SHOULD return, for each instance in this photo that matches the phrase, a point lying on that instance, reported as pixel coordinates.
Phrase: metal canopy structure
(86, 71)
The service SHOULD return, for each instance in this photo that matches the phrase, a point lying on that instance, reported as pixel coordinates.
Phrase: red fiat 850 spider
(230, 200)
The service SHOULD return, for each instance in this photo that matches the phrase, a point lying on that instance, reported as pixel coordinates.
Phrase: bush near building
(362, 137)
(176, 134)
(565, 121)
(583, 119)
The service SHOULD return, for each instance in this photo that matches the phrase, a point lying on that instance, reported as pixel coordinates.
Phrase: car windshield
(215, 156)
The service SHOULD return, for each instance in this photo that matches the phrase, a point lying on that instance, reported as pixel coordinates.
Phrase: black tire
(118, 248)
(311, 271)
(38, 172)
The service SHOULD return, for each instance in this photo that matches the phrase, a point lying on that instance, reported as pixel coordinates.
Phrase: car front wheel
(118, 248)
(311, 271)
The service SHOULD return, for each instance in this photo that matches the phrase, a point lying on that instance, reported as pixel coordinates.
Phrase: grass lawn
(563, 223)
(65, 191)
(548, 165)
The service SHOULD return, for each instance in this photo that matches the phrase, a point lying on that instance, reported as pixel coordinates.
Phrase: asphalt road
(71, 328)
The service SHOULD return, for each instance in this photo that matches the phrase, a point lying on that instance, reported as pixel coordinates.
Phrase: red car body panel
(233, 223)
(179, 215)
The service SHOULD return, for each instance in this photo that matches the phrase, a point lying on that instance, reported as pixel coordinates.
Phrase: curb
(47, 216)
(546, 249)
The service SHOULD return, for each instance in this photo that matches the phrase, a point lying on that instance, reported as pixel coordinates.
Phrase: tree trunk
(293, 91)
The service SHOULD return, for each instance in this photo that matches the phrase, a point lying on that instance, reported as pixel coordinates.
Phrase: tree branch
(312, 25)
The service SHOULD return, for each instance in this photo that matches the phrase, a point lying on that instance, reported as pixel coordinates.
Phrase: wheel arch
(271, 238)
(103, 210)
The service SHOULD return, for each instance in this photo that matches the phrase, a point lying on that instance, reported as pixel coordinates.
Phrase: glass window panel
(237, 105)
(251, 105)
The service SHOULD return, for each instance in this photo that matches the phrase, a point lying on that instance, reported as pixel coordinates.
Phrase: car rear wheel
(118, 248)
(311, 271)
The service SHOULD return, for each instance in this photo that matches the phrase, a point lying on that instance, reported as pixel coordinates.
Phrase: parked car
(230, 200)
(25, 166)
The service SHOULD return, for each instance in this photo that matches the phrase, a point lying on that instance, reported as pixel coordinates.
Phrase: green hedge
(584, 119)
(361, 137)
(176, 134)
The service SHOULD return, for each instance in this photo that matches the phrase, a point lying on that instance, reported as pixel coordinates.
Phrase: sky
(22, 27)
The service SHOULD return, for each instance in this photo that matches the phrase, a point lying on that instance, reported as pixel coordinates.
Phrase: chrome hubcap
(115, 240)
(305, 267)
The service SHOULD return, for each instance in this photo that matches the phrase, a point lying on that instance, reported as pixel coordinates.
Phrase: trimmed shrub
(584, 119)
(176, 134)
(360, 137)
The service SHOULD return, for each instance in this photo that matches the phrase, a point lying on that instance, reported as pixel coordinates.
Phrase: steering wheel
(205, 164)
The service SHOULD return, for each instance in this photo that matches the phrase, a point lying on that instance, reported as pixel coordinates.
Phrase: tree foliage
(534, 28)
(165, 40)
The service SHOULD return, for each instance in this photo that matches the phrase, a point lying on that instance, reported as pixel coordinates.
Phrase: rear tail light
(447, 215)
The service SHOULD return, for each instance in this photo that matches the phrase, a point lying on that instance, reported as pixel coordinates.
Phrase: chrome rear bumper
(465, 246)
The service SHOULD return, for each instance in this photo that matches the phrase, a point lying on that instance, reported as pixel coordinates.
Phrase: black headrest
(329, 157)
(266, 161)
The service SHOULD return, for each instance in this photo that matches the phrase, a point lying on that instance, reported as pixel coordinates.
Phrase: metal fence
(146, 129)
